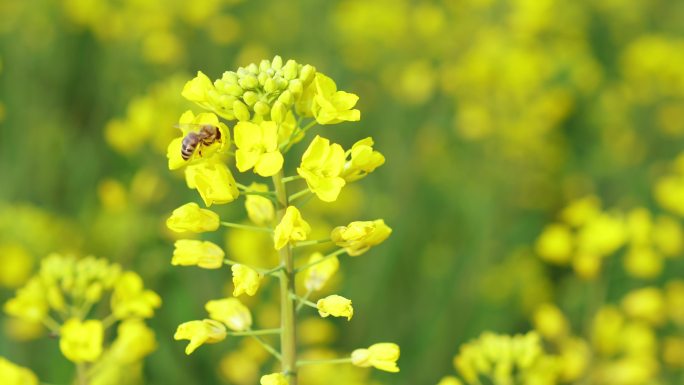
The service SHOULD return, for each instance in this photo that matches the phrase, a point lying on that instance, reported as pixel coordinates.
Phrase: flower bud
(191, 252)
(245, 279)
(261, 108)
(200, 332)
(286, 98)
(296, 88)
(278, 112)
(231, 312)
(290, 70)
(248, 82)
(306, 74)
(336, 306)
(250, 97)
(263, 77)
(252, 68)
(382, 356)
(190, 217)
(241, 111)
(233, 89)
(264, 65)
(277, 62)
(270, 85)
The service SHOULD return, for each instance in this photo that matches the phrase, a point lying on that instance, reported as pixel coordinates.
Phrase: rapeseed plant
(271, 106)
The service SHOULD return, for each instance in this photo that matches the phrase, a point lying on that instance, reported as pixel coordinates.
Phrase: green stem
(81, 374)
(51, 324)
(246, 227)
(255, 332)
(288, 336)
(308, 265)
(268, 348)
(108, 321)
(299, 194)
(304, 301)
(346, 360)
(310, 243)
(289, 179)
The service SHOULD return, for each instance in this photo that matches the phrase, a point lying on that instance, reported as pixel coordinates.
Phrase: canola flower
(65, 295)
(269, 107)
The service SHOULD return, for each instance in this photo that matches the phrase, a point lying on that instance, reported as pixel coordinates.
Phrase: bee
(207, 135)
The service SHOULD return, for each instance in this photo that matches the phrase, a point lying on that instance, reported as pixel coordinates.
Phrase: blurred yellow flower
(190, 252)
(245, 279)
(190, 217)
(130, 299)
(336, 306)
(673, 352)
(16, 264)
(363, 160)
(200, 332)
(330, 106)
(674, 296)
(260, 210)
(359, 236)
(449, 380)
(317, 275)
(550, 322)
(213, 180)
(257, 147)
(231, 312)
(134, 341)
(321, 166)
(555, 244)
(273, 379)
(12, 374)
(647, 304)
(30, 302)
(291, 228)
(381, 356)
(81, 341)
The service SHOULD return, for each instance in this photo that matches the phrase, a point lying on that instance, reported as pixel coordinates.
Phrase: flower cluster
(269, 103)
(66, 294)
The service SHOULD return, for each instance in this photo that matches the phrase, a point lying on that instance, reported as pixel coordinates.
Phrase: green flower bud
(250, 97)
(262, 77)
(296, 88)
(242, 72)
(229, 77)
(306, 74)
(241, 111)
(261, 108)
(264, 65)
(233, 89)
(281, 83)
(248, 82)
(286, 98)
(270, 85)
(277, 62)
(290, 71)
(278, 112)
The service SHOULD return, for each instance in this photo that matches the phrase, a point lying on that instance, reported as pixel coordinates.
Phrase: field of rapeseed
(470, 192)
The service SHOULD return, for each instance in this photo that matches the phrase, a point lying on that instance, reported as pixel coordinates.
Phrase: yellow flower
(81, 341)
(134, 341)
(200, 332)
(258, 148)
(317, 275)
(330, 106)
(259, 209)
(321, 166)
(213, 180)
(190, 252)
(191, 123)
(555, 244)
(382, 356)
(273, 379)
(363, 160)
(190, 217)
(291, 228)
(198, 89)
(231, 312)
(129, 299)
(336, 306)
(12, 374)
(359, 236)
(245, 279)
(30, 303)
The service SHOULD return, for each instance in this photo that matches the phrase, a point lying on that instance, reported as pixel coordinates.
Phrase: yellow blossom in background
(330, 106)
(358, 237)
(602, 235)
(555, 244)
(257, 147)
(647, 304)
(245, 279)
(336, 306)
(200, 332)
(12, 374)
(239, 368)
(668, 236)
(581, 211)
(674, 297)
(134, 341)
(213, 180)
(231, 312)
(16, 264)
(273, 379)
(81, 341)
(363, 160)
(381, 356)
(204, 254)
(321, 166)
(673, 352)
(291, 228)
(318, 274)
(190, 217)
(260, 210)
(449, 380)
(550, 322)
(30, 302)
(130, 299)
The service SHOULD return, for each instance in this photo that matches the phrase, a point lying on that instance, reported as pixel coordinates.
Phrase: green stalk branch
(247, 227)
(346, 360)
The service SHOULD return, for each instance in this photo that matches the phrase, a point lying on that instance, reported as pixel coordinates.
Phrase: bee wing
(188, 125)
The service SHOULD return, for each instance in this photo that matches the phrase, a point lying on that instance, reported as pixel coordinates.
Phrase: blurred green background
(492, 115)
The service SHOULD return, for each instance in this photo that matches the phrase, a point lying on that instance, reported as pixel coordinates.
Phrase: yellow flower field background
(503, 181)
